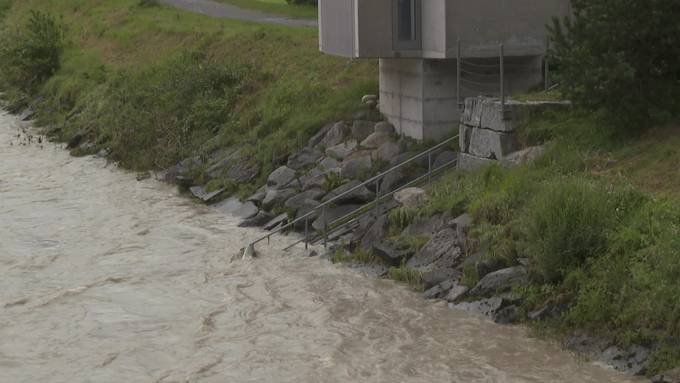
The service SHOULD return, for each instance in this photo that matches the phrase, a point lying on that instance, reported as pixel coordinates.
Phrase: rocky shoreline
(338, 158)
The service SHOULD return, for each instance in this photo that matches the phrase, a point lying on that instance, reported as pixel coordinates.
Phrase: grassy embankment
(156, 85)
(277, 7)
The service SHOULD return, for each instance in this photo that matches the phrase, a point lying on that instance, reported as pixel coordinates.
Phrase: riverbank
(214, 86)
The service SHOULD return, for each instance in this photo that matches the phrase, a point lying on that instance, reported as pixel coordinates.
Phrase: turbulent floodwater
(107, 279)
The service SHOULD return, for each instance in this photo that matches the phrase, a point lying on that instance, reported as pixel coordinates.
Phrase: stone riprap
(488, 131)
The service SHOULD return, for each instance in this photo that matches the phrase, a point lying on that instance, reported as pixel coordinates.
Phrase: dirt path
(214, 9)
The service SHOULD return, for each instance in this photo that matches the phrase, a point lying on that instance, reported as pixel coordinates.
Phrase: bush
(620, 55)
(31, 55)
(566, 224)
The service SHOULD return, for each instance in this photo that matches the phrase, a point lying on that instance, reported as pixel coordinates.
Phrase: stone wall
(488, 131)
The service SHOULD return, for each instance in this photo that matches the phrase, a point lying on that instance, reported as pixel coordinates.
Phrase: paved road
(214, 9)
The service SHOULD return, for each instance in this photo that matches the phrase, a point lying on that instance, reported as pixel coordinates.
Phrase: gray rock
(205, 196)
(671, 376)
(444, 158)
(302, 199)
(472, 114)
(464, 136)
(437, 276)
(523, 157)
(372, 270)
(357, 166)
(342, 150)
(369, 97)
(469, 163)
(179, 173)
(387, 151)
(359, 196)
(375, 140)
(485, 267)
(362, 129)
(418, 162)
(331, 214)
(281, 177)
(313, 180)
(394, 180)
(457, 292)
(243, 171)
(375, 233)
(236, 208)
(220, 161)
(487, 307)
(440, 252)
(304, 158)
(259, 219)
(258, 196)
(384, 127)
(306, 207)
(411, 197)
(439, 290)
(425, 226)
(493, 145)
(328, 164)
(632, 361)
(336, 134)
(319, 136)
(392, 253)
(277, 221)
(508, 315)
(276, 197)
(27, 114)
(500, 280)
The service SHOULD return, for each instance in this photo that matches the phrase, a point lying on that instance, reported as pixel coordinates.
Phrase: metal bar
(458, 69)
(546, 80)
(325, 228)
(306, 233)
(377, 196)
(429, 168)
(502, 54)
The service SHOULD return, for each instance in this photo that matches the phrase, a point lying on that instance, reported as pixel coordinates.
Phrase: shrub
(620, 55)
(566, 224)
(30, 55)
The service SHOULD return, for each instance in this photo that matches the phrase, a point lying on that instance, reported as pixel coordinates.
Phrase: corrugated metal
(337, 27)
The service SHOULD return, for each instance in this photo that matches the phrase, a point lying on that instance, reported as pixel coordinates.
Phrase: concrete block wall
(488, 131)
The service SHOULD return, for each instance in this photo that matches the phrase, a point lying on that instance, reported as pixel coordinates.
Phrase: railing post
(306, 233)
(458, 75)
(429, 168)
(325, 228)
(502, 59)
(546, 80)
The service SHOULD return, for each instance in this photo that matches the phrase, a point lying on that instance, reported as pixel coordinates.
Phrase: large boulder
(428, 226)
(259, 219)
(376, 232)
(362, 129)
(330, 214)
(319, 136)
(393, 253)
(357, 165)
(315, 179)
(305, 158)
(276, 222)
(204, 195)
(524, 156)
(387, 151)
(236, 208)
(384, 127)
(457, 292)
(242, 171)
(281, 178)
(328, 165)
(671, 376)
(440, 290)
(375, 140)
(411, 197)
(258, 196)
(359, 196)
(335, 135)
(394, 180)
(488, 144)
(435, 277)
(306, 207)
(180, 173)
(500, 281)
(440, 252)
(301, 199)
(276, 197)
(342, 150)
(633, 360)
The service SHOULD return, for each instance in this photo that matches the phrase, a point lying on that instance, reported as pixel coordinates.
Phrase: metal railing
(371, 206)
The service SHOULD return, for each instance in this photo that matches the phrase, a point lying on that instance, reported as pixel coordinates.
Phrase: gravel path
(214, 9)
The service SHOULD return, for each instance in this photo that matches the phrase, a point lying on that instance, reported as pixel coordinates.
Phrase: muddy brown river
(107, 279)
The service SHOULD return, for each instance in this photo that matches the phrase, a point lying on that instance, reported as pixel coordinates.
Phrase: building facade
(434, 53)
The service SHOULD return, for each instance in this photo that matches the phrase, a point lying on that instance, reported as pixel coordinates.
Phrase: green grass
(405, 274)
(286, 90)
(277, 6)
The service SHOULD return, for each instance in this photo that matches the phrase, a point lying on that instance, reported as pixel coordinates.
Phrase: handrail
(251, 246)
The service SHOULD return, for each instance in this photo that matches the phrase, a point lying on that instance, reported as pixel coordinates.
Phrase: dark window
(406, 21)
